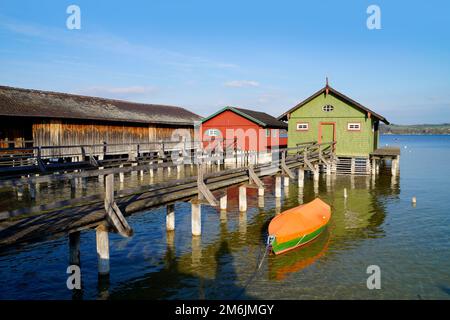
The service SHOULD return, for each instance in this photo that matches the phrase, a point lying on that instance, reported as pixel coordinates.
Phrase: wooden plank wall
(77, 132)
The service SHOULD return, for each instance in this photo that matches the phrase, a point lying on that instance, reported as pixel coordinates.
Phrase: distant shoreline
(418, 129)
(414, 134)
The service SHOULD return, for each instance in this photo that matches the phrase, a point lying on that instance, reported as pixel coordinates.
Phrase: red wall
(252, 138)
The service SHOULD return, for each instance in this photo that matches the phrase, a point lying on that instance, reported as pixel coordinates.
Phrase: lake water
(376, 225)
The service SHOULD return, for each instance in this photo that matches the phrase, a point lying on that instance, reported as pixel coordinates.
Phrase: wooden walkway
(106, 211)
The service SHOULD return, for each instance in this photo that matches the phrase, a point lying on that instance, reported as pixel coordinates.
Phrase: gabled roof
(261, 118)
(37, 103)
(343, 97)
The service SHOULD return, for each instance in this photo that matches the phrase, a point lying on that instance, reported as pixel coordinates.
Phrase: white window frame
(354, 126)
(327, 108)
(213, 132)
(302, 126)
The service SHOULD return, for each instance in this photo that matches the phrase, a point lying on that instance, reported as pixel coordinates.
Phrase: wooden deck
(386, 152)
(109, 208)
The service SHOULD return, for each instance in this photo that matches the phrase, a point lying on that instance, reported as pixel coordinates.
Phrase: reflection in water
(261, 202)
(196, 251)
(277, 205)
(293, 261)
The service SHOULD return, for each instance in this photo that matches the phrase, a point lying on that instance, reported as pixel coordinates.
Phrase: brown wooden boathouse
(30, 118)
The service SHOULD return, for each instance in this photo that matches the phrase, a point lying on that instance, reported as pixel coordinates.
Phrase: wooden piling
(277, 186)
(260, 192)
(170, 217)
(301, 177)
(102, 238)
(316, 172)
(242, 199)
(223, 202)
(121, 175)
(286, 181)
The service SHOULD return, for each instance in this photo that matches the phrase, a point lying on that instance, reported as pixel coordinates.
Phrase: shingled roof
(284, 116)
(46, 104)
(263, 119)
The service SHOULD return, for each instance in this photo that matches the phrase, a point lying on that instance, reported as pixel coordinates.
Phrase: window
(212, 132)
(328, 108)
(267, 132)
(354, 126)
(303, 126)
(283, 133)
(274, 133)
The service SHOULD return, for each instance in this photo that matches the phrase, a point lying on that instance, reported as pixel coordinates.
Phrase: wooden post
(223, 202)
(328, 169)
(170, 217)
(102, 250)
(301, 177)
(121, 175)
(316, 172)
(374, 167)
(277, 186)
(242, 199)
(352, 166)
(394, 166)
(260, 192)
(74, 248)
(286, 181)
(196, 218)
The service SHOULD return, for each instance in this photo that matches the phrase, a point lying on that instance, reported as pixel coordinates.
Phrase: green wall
(349, 143)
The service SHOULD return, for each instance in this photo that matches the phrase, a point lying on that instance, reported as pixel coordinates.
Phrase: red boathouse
(251, 130)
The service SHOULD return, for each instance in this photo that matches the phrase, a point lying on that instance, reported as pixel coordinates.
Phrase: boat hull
(297, 226)
(283, 247)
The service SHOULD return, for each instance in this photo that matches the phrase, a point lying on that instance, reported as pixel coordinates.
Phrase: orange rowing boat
(298, 226)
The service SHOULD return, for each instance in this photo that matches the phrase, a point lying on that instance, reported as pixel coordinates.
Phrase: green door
(326, 132)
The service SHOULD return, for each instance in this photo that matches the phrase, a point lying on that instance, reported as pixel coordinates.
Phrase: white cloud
(241, 83)
(115, 44)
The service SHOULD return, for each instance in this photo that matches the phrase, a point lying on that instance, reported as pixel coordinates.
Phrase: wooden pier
(107, 210)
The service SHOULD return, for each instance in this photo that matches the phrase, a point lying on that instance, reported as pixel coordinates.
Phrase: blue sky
(262, 55)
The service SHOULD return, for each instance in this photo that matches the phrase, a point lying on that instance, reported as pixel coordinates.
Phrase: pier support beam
(286, 181)
(316, 172)
(301, 178)
(223, 202)
(170, 217)
(328, 168)
(121, 175)
(74, 248)
(196, 218)
(260, 192)
(242, 199)
(373, 168)
(102, 250)
(277, 186)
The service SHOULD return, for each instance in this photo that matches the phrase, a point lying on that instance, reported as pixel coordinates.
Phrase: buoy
(414, 200)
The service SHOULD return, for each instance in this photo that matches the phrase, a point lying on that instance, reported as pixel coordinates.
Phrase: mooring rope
(258, 267)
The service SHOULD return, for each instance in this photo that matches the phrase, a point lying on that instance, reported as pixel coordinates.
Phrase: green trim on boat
(277, 247)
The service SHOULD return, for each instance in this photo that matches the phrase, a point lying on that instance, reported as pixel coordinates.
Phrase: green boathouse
(329, 115)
